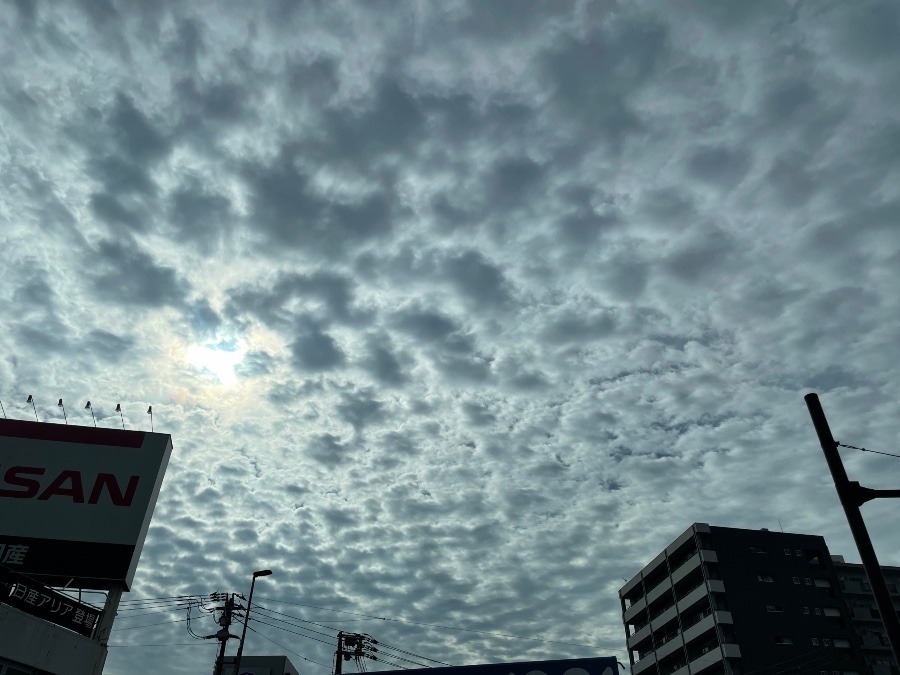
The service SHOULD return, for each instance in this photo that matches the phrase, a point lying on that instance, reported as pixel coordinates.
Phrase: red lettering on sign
(76, 491)
(112, 487)
(31, 486)
(68, 484)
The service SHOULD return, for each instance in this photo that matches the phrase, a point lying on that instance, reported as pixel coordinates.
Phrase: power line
(145, 625)
(266, 611)
(277, 644)
(297, 618)
(169, 644)
(403, 651)
(167, 597)
(291, 631)
(156, 611)
(432, 625)
(877, 452)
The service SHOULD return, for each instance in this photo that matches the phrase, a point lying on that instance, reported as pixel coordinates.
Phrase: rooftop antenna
(150, 412)
(3, 409)
(780, 525)
(119, 410)
(87, 406)
(60, 405)
(30, 400)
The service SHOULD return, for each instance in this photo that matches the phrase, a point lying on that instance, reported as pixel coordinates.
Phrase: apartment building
(864, 614)
(730, 601)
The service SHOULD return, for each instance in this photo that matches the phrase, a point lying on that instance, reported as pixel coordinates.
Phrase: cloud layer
(457, 313)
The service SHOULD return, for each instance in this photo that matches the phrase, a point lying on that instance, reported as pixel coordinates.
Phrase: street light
(237, 659)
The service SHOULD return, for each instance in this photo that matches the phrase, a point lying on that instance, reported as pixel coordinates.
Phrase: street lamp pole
(237, 659)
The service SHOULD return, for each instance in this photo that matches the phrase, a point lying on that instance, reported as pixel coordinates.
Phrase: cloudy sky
(457, 312)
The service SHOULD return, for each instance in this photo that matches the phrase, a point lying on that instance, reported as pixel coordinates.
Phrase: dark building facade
(734, 601)
(864, 613)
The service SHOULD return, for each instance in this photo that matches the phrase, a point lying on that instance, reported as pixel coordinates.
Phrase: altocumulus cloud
(456, 312)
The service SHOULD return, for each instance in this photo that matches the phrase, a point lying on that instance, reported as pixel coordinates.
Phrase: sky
(457, 312)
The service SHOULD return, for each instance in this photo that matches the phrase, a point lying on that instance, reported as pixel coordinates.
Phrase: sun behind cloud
(217, 360)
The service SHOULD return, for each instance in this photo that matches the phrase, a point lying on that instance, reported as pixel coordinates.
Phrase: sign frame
(76, 502)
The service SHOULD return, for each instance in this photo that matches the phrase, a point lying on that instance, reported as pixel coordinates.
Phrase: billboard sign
(38, 600)
(601, 665)
(76, 502)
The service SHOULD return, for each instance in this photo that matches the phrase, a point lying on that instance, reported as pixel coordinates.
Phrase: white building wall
(36, 643)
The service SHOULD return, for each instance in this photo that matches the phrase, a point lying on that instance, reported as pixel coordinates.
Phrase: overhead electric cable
(266, 611)
(431, 625)
(272, 611)
(277, 644)
(167, 597)
(383, 644)
(291, 631)
(265, 615)
(390, 663)
(155, 611)
(400, 658)
(877, 452)
(170, 644)
(145, 625)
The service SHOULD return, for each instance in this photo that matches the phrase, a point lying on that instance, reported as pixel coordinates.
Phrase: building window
(815, 642)
(818, 611)
(765, 578)
(757, 549)
(787, 551)
(799, 553)
(806, 610)
(782, 640)
(774, 608)
(807, 581)
(826, 642)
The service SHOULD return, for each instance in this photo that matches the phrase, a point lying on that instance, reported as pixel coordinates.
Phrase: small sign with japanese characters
(36, 599)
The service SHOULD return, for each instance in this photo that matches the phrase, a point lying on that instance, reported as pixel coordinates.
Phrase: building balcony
(655, 593)
(645, 665)
(703, 625)
(700, 592)
(664, 618)
(634, 610)
(692, 563)
(713, 656)
(670, 647)
(639, 636)
(655, 567)
(630, 586)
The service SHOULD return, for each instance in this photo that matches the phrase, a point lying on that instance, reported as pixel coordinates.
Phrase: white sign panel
(76, 502)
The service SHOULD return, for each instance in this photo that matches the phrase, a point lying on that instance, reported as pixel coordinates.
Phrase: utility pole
(223, 634)
(852, 495)
(339, 654)
(353, 646)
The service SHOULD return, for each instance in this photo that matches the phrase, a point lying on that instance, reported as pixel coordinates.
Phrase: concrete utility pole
(353, 646)
(223, 635)
(852, 495)
(339, 655)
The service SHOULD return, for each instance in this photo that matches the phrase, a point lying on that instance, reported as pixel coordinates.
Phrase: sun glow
(218, 361)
